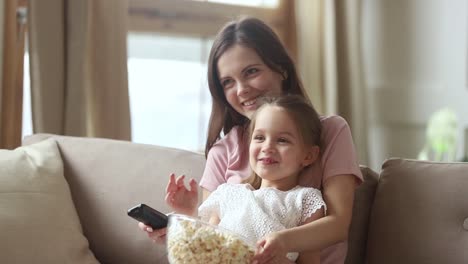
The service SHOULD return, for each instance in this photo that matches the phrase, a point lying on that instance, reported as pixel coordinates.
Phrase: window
(169, 97)
(27, 113)
(168, 48)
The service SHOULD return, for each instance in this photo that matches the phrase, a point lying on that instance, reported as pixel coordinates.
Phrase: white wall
(415, 55)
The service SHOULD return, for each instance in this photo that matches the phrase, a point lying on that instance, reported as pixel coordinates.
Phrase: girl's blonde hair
(304, 117)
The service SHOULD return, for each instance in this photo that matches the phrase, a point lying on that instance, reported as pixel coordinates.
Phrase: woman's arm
(338, 193)
(180, 199)
(309, 257)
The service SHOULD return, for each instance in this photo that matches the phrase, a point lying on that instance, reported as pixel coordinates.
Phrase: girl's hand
(181, 199)
(158, 236)
(271, 249)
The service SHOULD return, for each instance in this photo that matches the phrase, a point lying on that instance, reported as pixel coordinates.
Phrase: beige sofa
(415, 212)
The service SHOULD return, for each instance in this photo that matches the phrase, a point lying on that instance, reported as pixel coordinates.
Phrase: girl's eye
(283, 140)
(259, 138)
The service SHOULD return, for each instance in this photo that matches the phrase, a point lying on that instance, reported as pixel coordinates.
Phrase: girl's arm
(214, 219)
(274, 247)
(181, 199)
(338, 193)
(311, 256)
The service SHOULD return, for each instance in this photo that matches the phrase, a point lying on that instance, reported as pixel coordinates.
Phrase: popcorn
(192, 241)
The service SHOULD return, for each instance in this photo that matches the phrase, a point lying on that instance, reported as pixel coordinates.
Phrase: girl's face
(245, 78)
(277, 152)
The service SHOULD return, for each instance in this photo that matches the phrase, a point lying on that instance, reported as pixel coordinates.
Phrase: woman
(247, 61)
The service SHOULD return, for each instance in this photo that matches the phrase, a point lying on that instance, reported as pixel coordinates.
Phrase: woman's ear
(311, 155)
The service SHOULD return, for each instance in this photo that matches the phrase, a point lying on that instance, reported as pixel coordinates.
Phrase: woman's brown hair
(304, 116)
(255, 34)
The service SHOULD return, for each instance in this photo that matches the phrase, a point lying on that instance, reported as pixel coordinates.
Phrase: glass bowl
(190, 240)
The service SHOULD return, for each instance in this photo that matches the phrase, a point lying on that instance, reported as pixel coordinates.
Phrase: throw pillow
(38, 220)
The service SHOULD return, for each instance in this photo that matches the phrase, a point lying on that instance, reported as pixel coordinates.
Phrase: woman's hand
(271, 249)
(181, 199)
(158, 236)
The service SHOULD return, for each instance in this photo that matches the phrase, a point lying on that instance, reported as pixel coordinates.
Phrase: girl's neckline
(275, 189)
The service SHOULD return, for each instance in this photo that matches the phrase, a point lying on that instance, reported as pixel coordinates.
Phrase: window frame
(11, 105)
(204, 19)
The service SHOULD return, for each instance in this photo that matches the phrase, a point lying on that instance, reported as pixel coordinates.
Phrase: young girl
(284, 140)
(247, 61)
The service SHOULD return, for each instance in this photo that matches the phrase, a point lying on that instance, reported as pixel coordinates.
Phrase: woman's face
(246, 78)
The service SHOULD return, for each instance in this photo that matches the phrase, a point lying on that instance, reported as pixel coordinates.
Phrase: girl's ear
(312, 155)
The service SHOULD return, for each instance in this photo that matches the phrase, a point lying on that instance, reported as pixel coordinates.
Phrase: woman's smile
(246, 78)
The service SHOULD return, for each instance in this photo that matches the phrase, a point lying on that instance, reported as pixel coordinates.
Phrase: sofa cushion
(418, 213)
(38, 220)
(107, 177)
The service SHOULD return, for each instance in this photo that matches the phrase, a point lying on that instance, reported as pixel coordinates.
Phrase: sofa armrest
(363, 200)
(419, 212)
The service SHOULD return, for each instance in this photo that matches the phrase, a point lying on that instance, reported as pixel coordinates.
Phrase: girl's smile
(267, 161)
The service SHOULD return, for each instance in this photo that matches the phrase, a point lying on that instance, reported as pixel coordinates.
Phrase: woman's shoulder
(332, 122)
(332, 127)
(230, 142)
(232, 138)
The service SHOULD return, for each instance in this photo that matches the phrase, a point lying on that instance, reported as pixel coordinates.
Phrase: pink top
(228, 161)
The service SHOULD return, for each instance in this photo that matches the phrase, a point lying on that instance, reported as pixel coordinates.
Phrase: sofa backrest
(420, 213)
(107, 177)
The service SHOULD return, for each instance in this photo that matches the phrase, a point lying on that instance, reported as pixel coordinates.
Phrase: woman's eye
(251, 71)
(226, 83)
